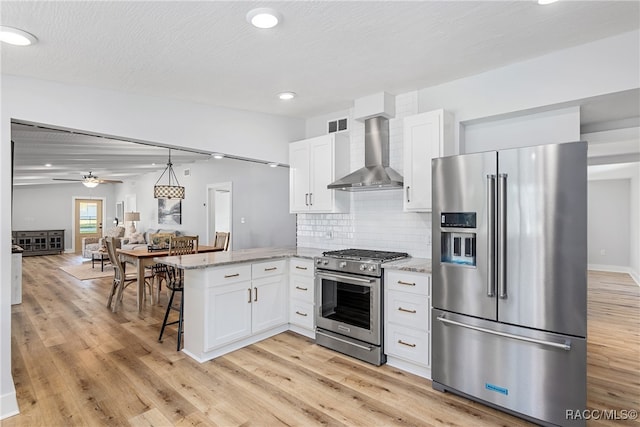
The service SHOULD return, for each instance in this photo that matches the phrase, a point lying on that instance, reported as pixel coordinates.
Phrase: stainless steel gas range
(349, 286)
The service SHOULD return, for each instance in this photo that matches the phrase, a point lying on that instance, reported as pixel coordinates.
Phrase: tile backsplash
(376, 220)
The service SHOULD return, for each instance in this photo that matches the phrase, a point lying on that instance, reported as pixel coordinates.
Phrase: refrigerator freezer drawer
(535, 374)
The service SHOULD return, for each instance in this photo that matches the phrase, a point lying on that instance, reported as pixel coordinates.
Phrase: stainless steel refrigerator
(509, 299)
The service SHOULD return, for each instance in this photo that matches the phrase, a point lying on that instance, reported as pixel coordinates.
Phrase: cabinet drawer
(301, 288)
(56, 233)
(301, 267)
(407, 309)
(408, 282)
(232, 274)
(301, 314)
(267, 269)
(408, 344)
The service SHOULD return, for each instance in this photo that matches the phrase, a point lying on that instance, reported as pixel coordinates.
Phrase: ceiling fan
(91, 180)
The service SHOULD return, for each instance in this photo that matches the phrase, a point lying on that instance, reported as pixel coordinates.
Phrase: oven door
(349, 305)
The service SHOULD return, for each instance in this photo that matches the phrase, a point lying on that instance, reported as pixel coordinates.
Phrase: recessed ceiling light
(285, 96)
(545, 2)
(47, 165)
(218, 156)
(16, 37)
(273, 165)
(264, 17)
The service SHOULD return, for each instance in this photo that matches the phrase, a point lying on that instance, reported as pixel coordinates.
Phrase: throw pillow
(160, 239)
(136, 238)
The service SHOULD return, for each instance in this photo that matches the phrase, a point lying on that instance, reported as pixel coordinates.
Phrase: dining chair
(221, 240)
(182, 245)
(120, 278)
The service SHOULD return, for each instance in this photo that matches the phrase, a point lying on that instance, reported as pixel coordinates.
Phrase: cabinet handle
(301, 268)
(249, 295)
(301, 314)
(270, 268)
(406, 311)
(400, 282)
(306, 199)
(227, 276)
(408, 200)
(302, 289)
(311, 199)
(256, 297)
(406, 343)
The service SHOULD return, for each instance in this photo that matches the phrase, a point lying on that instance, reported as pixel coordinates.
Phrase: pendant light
(168, 191)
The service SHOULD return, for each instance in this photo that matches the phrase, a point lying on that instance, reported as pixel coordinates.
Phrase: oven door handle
(337, 276)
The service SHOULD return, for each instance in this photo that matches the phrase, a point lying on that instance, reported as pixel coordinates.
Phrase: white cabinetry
(407, 330)
(229, 307)
(314, 164)
(301, 294)
(425, 136)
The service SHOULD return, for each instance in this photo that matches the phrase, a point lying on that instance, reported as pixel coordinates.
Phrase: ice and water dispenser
(458, 236)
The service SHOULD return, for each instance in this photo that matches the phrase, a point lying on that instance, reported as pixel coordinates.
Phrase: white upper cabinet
(424, 138)
(314, 164)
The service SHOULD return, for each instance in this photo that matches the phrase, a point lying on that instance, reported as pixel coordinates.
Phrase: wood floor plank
(74, 362)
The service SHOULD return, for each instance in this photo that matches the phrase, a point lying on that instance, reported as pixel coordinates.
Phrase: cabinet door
(423, 141)
(322, 166)
(269, 303)
(299, 177)
(228, 314)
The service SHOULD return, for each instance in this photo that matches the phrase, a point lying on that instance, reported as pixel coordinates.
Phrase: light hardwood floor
(77, 363)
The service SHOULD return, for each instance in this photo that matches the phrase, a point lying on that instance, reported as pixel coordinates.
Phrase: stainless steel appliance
(509, 279)
(349, 302)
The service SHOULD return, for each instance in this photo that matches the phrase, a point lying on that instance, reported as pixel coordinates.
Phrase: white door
(228, 314)
(269, 303)
(422, 142)
(299, 177)
(321, 198)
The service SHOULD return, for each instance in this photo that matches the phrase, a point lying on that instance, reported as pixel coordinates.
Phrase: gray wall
(609, 222)
(260, 196)
(50, 207)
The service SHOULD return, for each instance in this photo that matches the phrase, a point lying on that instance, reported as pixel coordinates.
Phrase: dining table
(143, 257)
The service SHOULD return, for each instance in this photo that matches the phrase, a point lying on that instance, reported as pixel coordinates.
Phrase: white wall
(549, 127)
(157, 120)
(608, 224)
(605, 66)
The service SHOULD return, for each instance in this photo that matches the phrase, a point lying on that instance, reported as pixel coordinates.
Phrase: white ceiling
(328, 52)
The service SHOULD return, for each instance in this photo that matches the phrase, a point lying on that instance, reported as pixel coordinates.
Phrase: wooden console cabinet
(40, 242)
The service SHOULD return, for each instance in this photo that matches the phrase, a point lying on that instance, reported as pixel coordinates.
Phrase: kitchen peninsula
(233, 299)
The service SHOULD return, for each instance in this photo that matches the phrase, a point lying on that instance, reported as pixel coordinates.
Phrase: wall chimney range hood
(376, 173)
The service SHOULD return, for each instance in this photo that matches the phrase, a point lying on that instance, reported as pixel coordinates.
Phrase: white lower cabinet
(301, 294)
(227, 308)
(407, 333)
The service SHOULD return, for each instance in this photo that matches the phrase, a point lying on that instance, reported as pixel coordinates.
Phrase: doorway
(87, 220)
(219, 211)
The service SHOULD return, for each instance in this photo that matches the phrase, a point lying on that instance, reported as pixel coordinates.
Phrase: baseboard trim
(616, 269)
(9, 405)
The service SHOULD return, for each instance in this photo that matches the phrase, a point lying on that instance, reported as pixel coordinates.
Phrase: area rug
(85, 272)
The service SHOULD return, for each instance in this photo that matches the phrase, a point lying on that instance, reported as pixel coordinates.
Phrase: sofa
(90, 244)
(151, 236)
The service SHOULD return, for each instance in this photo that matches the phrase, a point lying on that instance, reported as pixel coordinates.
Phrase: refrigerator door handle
(564, 346)
(491, 236)
(502, 235)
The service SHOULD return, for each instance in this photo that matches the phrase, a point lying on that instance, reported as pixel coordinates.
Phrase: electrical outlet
(329, 234)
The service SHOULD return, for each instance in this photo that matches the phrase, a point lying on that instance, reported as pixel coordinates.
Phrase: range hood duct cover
(376, 173)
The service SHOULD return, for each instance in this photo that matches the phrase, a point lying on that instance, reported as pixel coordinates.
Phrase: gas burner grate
(365, 254)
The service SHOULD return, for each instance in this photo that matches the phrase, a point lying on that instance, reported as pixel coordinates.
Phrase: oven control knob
(343, 264)
(372, 268)
(325, 262)
(362, 267)
(318, 261)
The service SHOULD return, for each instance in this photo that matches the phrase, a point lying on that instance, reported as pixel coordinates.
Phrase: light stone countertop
(216, 259)
(417, 265)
